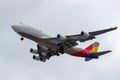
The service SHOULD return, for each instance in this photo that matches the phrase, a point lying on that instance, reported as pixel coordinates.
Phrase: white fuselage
(39, 37)
(35, 35)
(50, 46)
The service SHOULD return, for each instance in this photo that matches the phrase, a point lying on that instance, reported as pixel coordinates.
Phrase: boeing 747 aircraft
(50, 46)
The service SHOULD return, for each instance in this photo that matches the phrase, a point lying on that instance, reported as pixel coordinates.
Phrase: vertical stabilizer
(93, 48)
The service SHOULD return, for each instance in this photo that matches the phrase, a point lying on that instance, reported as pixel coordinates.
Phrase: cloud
(53, 17)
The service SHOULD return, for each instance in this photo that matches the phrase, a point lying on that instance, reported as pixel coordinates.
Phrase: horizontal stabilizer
(102, 53)
(88, 59)
(96, 55)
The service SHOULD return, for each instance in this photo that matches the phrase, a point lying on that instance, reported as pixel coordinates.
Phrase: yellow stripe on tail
(95, 47)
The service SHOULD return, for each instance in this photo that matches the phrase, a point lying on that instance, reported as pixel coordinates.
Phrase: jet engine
(41, 58)
(84, 34)
(41, 49)
(33, 51)
(61, 37)
(42, 53)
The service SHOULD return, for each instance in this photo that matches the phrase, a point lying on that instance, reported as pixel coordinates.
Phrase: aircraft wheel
(57, 54)
(61, 50)
(49, 55)
(22, 39)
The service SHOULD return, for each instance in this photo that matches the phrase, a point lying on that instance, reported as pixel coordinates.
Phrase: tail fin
(93, 48)
(93, 51)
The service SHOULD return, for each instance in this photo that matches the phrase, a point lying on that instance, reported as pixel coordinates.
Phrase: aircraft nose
(15, 28)
(19, 28)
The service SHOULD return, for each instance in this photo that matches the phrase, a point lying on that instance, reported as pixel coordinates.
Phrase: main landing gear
(61, 50)
(57, 54)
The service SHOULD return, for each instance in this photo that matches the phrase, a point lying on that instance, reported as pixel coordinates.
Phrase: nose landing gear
(22, 39)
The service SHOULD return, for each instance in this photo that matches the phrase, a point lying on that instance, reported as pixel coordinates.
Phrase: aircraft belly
(72, 50)
(40, 41)
(34, 38)
(33, 34)
(48, 45)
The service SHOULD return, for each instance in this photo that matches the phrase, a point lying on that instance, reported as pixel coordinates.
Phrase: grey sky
(64, 17)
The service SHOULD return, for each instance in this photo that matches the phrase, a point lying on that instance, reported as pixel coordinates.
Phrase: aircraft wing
(90, 35)
(63, 42)
(70, 40)
(95, 33)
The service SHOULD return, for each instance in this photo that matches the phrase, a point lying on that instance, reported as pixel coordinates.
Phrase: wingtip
(115, 28)
(109, 50)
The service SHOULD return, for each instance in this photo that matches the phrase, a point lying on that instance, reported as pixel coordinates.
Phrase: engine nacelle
(41, 49)
(61, 37)
(39, 58)
(34, 51)
(85, 34)
(36, 57)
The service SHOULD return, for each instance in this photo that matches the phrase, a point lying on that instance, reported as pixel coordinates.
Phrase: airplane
(48, 46)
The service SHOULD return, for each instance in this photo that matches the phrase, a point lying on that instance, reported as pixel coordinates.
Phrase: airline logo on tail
(94, 54)
(91, 52)
(93, 47)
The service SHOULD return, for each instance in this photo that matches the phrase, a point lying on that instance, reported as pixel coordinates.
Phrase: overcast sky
(64, 17)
